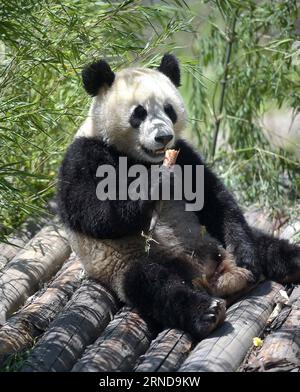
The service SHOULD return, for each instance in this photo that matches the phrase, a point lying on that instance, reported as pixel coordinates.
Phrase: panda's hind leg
(231, 280)
(162, 291)
(219, 274)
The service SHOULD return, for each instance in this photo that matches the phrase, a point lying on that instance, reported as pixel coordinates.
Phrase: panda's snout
(163, 139)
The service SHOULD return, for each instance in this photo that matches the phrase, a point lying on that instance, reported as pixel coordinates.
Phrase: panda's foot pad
(234, 280)
(209, 320)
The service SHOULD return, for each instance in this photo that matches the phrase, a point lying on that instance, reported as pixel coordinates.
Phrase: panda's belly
(104, 259)
(178, 228)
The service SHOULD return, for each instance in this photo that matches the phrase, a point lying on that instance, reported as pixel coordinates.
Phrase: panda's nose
(163, 139)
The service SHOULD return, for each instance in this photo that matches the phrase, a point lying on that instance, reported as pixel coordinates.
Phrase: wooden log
(126, 337)
(287, 231)
(166, 353)
(258, 219)
(21, 329)
(36, 263)
(19, 239)
(291, 231)
(281, 348)
(82, 320)
(226, 347)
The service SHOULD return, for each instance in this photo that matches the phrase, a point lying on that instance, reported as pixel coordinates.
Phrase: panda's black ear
(170, 67)
(96, 75)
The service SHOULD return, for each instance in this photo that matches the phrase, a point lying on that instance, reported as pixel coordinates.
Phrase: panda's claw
(213, 316)
(209, 317)
(215, 304)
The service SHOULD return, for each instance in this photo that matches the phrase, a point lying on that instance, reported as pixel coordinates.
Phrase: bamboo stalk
(226, 347)
(82, 320)
(21, 329)
(218, 116)
(125, 338)
(35, 264)
(166, 353)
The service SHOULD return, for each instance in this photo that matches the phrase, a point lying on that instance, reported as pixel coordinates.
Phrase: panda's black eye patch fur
(138, 116)
(170, 112)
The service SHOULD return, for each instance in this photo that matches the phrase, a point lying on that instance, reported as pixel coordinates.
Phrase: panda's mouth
(160, 152)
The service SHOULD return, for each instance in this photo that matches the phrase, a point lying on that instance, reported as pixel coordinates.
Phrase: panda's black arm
(78, 205)
(221, 214)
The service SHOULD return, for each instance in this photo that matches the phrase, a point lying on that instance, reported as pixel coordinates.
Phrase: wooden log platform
(19, 239)
(52, 319)
(227, 346)
(125, 338)
(166, 353)
(280, 349)
(82, 320)
(33, 265)
(21, 329)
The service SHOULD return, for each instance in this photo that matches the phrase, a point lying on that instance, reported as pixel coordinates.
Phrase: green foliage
(42, 102)
(247, 50)
(15, 362)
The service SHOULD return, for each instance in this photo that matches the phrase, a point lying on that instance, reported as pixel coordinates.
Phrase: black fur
(162, 289)
(221, 214)
(77, 201)
(138, 116)
(82, 211)
(96, 75)
(279, 259)
(163, 292)
(170, 67)
(260, 253)
(169, 110)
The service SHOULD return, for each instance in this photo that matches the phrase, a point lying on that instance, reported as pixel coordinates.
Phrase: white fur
(177, 233)
(111, 110)
(109, 115)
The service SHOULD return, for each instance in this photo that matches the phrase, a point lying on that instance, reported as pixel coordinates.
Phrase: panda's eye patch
(138, 116)
(140, 112)
(170, 112)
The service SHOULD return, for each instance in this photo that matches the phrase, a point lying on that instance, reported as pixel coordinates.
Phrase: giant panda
(138, 113)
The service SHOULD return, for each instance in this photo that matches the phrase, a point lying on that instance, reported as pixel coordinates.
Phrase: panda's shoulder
(93, 150)
(188, 154)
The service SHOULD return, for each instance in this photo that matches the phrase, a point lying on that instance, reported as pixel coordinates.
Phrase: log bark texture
(258, 219)
(166, 353)
(291, 231)
(36, 263)
(19, 239)
(225, 348)
(125, 338)
(21, 329)
(281, 348)
(82, 320)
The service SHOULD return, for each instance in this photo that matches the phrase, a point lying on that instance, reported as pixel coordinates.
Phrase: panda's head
(137, 110)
